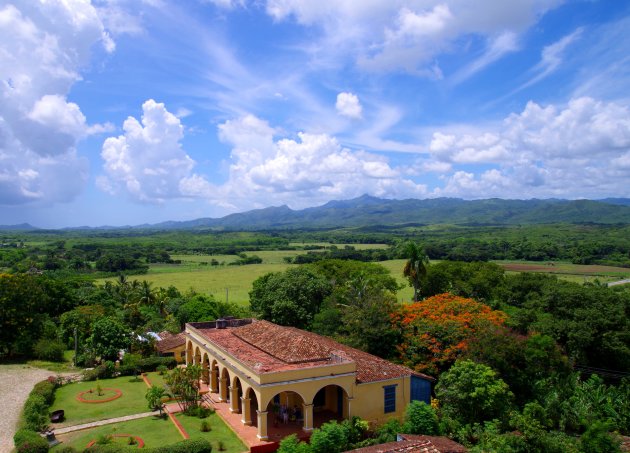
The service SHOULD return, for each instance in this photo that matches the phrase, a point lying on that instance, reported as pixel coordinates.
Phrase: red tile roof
(416, 444)
(170, 341)
(268, 347)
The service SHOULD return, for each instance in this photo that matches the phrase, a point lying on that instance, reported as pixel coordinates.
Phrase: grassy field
(132, 400)
(567, 271)
(340, 246)
(238, 279)
(154, 431)
(219, 432)
(214, 279)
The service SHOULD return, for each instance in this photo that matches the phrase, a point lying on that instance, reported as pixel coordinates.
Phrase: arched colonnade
(260, 406)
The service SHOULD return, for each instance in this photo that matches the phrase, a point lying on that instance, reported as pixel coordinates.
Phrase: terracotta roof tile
(170, 341)
(416, 444)
(268, 347)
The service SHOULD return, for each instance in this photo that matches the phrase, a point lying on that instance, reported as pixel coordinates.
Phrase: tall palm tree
(416, 266)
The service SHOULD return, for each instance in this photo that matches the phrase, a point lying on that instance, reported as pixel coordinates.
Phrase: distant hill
(367, 210)
(19, 227)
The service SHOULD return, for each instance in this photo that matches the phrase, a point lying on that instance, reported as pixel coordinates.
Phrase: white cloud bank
(43, 46)
(407, 35)
(578, 150)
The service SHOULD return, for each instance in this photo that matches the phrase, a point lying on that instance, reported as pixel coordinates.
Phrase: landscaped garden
(131, 401)
(153, 431)
(219, 434)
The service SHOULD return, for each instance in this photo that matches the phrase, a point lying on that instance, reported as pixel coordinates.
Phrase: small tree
(154, 397)
(420, 418)
(184, 385)
(331, 437)
(472, 392)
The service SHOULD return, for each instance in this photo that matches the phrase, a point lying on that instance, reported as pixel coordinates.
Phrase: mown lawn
(132, 400)
(154, 431)
(220, 432)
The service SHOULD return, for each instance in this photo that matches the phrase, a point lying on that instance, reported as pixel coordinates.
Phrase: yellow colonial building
(268, 373)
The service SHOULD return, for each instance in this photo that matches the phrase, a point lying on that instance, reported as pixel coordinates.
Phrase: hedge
(185, 446)
(27, 441)
(107, 370)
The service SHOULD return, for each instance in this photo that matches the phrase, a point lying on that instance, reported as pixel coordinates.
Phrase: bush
(27, 441)
(205, 426)
(144, 365)
(66, 449)
(186, 446)
(420, 418)
(51, 350)
(199, 411)
(45, 389)
(35, 413)
(291, 444)
(161, 369)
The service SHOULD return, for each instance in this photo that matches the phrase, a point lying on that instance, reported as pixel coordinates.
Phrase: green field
(213, 279)
(238, 280)
(578, 273)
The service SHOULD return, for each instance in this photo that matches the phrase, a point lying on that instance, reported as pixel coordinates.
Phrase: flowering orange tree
(437, 330)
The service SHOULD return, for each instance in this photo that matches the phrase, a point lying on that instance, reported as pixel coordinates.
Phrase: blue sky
(128, 112)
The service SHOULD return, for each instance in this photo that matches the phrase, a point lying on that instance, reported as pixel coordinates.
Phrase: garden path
(69, 429)
(16, 382)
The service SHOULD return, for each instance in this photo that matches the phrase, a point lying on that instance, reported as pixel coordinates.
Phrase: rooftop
(410, 443)
(170, 341)
(267, 348)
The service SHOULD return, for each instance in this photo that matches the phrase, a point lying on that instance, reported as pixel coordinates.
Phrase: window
(390, 398)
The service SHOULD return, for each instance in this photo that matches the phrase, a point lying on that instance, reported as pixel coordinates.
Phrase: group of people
(288, 414)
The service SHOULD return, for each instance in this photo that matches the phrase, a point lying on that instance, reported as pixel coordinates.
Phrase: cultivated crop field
(568, 271)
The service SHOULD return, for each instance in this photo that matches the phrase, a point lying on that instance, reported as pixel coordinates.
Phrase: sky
(125, 112)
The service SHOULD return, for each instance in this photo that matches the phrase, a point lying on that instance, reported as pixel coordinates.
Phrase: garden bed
(132, 401)
(153, 431)
(219, 432)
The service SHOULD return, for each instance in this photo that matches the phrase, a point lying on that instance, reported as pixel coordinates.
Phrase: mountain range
(368, 211)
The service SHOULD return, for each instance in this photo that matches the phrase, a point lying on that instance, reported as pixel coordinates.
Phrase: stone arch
(236, 394)
(224, 383)
(205, 369)
(189, 353)
(250, 398)
(214, 376)
(330, 402)
(197, 356)
(289, 401)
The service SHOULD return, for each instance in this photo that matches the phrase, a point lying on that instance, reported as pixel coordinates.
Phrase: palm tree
(154, 397)
(416, 266)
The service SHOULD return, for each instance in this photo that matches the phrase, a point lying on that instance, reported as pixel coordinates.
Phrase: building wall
(369, 400)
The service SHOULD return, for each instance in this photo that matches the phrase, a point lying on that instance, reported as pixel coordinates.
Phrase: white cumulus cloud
(300, 171)
(577, 150)
(147, 162)
(43, 48)
(348, 105)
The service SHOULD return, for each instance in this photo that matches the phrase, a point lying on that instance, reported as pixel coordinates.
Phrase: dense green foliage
(290, 298)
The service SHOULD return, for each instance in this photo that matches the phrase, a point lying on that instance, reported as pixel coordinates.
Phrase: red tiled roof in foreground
(268, 347)
(170, 341)
(416, 444)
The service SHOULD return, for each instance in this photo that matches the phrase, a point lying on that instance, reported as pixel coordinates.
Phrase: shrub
(46, 349)
(161, 369)
(221, 446)
(420, 418)
(45, 389)
(291, 444)
(132, 441)
(205, 426)
(186, 446)
(27, 441)
(144, 365)
(35, 413)
(199, 411)
(331, 437)
(66, 449)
